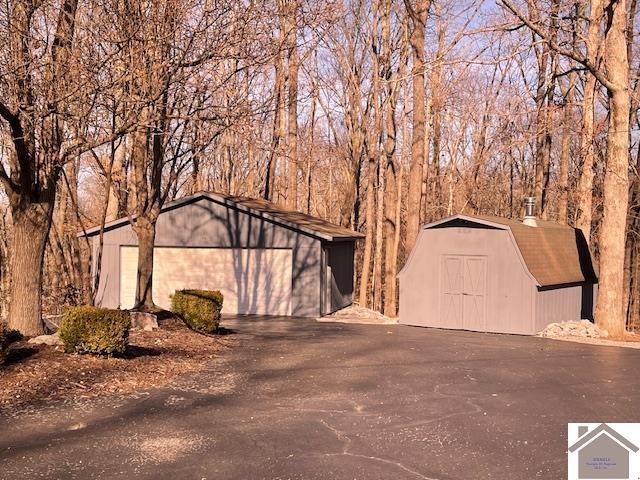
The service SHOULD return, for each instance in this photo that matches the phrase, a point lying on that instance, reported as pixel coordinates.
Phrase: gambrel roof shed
(496, 274)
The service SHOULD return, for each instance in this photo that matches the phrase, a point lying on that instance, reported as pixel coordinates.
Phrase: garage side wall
(209, 224)
(508, 296)
(339, 275)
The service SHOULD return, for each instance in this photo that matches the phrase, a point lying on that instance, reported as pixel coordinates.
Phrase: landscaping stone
(582, 328)
(144, 321)
(53, 340)
(52, 323)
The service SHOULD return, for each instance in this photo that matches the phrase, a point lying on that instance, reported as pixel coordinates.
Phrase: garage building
(263, 258)
(494, 274)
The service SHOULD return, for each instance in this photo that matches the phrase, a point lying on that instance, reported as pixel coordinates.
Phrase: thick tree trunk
(610, 311)
(145, 230)
(31, 224)
(418, 20)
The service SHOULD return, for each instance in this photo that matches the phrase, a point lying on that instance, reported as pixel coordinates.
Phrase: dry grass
(42, 373)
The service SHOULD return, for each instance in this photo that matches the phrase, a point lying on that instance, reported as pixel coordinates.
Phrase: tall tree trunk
(565, 150)
(418, 15)
(268, 190)
(369, 223)
(393, 250)
(373, 175)
(379, 241)
(547, 60)
(292, 107)
(118, 193)
(147, 183)
(610, 311)
(585, 184)
(429, 170)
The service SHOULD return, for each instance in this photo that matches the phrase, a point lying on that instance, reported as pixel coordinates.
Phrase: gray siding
(563, 304)
(208, 224)
(339, 278)
(509, 292)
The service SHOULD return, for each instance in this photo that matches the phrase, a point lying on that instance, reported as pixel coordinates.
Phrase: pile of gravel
(583, 328)
(358, 314)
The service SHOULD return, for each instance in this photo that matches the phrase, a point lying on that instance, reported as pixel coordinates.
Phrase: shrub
(200, 309)
(100, 331)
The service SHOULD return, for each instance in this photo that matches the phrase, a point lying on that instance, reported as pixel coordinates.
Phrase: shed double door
(462, 292)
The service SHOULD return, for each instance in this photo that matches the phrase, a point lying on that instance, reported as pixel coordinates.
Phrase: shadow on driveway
(308, 400)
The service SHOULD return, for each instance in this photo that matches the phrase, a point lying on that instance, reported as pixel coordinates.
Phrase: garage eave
(342, 234)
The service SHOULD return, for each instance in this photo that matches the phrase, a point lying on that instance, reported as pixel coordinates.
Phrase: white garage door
(253, 281)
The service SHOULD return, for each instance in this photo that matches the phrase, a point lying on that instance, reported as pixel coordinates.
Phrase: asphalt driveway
(296, 399)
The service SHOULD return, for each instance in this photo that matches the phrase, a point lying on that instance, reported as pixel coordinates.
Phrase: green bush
(200, 309)
(100, 331)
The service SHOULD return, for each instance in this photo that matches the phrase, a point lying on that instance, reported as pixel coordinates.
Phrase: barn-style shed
(265, 259)
(494, 274)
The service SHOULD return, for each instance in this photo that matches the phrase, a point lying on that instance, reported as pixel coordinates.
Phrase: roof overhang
(221, 200)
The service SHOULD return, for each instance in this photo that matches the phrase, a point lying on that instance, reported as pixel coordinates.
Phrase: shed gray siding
(566, 303)
(206, 223)
(509, 302)
(339, 278)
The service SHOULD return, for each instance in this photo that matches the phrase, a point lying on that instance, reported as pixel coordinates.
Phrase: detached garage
(264, 259)
(493, 274)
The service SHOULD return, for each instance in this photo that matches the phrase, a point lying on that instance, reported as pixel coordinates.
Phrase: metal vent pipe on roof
(530, 212)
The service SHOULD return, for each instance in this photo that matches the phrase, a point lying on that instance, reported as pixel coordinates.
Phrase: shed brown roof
(554, 254)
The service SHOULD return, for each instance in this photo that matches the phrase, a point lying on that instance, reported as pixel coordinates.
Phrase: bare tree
(33, 109)
(614, 76)
(418, 12)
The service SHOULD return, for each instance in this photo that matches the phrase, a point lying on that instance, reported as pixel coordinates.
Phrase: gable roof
(313, 226)
(554, 254)
(600, 430)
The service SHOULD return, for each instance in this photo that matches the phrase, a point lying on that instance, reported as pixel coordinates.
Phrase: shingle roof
(315, 224)
(263, 208)
(554, 254)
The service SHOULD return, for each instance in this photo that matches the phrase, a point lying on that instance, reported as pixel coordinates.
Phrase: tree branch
(595, 71)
